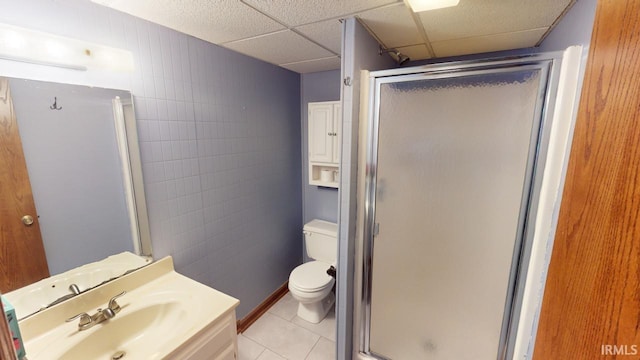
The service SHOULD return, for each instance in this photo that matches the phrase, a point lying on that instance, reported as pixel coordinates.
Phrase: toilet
(309, 283)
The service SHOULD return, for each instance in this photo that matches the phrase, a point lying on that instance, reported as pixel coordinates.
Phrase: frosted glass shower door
(455, 158)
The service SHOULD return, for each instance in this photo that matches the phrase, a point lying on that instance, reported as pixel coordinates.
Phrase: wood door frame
(7, 351)
(591, 301)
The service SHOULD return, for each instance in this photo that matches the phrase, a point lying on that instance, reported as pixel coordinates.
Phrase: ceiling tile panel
(216, 21)
(279, 31)
(486, 17)
(481, 44)
(296, 12)
(281, 47)
(316, 65)
(393, 25)
(327, 33)
(415, 52)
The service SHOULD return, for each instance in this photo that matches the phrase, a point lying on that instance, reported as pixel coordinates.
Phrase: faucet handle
(85, 319)
(74, 289)
(113, 305)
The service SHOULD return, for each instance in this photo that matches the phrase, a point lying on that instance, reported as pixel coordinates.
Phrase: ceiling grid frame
(299, 35)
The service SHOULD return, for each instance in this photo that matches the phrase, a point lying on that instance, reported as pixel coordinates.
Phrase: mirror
(83, 165)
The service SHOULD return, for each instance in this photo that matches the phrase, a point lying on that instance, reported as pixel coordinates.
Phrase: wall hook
(55, 105)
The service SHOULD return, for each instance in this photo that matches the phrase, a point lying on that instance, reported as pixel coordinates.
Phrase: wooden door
(22, 257)
(591, 305)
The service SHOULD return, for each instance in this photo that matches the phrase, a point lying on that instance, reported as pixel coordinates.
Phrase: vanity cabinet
(218, 341)
(164, 315)
(325, 127)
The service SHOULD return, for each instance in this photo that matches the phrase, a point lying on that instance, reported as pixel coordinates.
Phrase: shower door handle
(380, 190)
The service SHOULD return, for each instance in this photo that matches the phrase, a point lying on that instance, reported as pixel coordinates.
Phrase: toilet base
(316, 311)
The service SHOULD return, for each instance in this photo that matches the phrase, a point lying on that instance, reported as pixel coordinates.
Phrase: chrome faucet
(75, 290)
(88, 321)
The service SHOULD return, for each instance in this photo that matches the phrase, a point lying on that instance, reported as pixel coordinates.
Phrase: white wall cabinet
(325, 127)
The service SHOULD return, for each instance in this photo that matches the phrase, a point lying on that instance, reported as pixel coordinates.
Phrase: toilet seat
(311, 277)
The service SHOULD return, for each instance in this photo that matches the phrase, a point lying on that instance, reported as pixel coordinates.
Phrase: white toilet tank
(321, 240)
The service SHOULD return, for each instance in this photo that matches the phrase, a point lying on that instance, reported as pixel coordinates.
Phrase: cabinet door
(337, 132)
(228, 354)
(320, 132)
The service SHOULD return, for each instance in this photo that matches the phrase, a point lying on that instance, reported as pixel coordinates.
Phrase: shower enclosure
(454, 162)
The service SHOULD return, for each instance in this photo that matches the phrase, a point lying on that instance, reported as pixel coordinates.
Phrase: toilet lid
(311, 276)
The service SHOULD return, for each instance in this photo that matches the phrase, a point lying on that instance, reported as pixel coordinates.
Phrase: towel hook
(55, 105)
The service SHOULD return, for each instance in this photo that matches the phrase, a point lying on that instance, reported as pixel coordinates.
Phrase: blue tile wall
(220, 144)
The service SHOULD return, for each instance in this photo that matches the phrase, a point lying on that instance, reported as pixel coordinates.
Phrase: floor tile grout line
(257, 343)
(315, 332)
(283, 318)
(279, 354)
(313, 347)
(275, 352)
(272, 350)
(264, 348)
(320, 336)
(284, 357)
(326, 338)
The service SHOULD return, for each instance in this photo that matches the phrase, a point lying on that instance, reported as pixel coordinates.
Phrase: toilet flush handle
(331, 271)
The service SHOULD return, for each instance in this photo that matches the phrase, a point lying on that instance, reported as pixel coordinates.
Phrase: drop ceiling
(305, 35)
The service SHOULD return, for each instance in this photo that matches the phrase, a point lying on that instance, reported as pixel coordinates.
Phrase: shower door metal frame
(549, 66)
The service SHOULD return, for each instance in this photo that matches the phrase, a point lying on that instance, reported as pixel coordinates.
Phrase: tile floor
(281, 334)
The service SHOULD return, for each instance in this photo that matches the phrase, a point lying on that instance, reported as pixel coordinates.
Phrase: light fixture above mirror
(36, 47)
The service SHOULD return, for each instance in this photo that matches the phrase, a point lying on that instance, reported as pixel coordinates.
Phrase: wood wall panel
(592, 296)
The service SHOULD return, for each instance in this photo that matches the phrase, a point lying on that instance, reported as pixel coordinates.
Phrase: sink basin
(158, 313)
(130, 333)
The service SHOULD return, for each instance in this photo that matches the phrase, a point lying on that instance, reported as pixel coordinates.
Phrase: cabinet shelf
(325, 125)
(326, 175)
